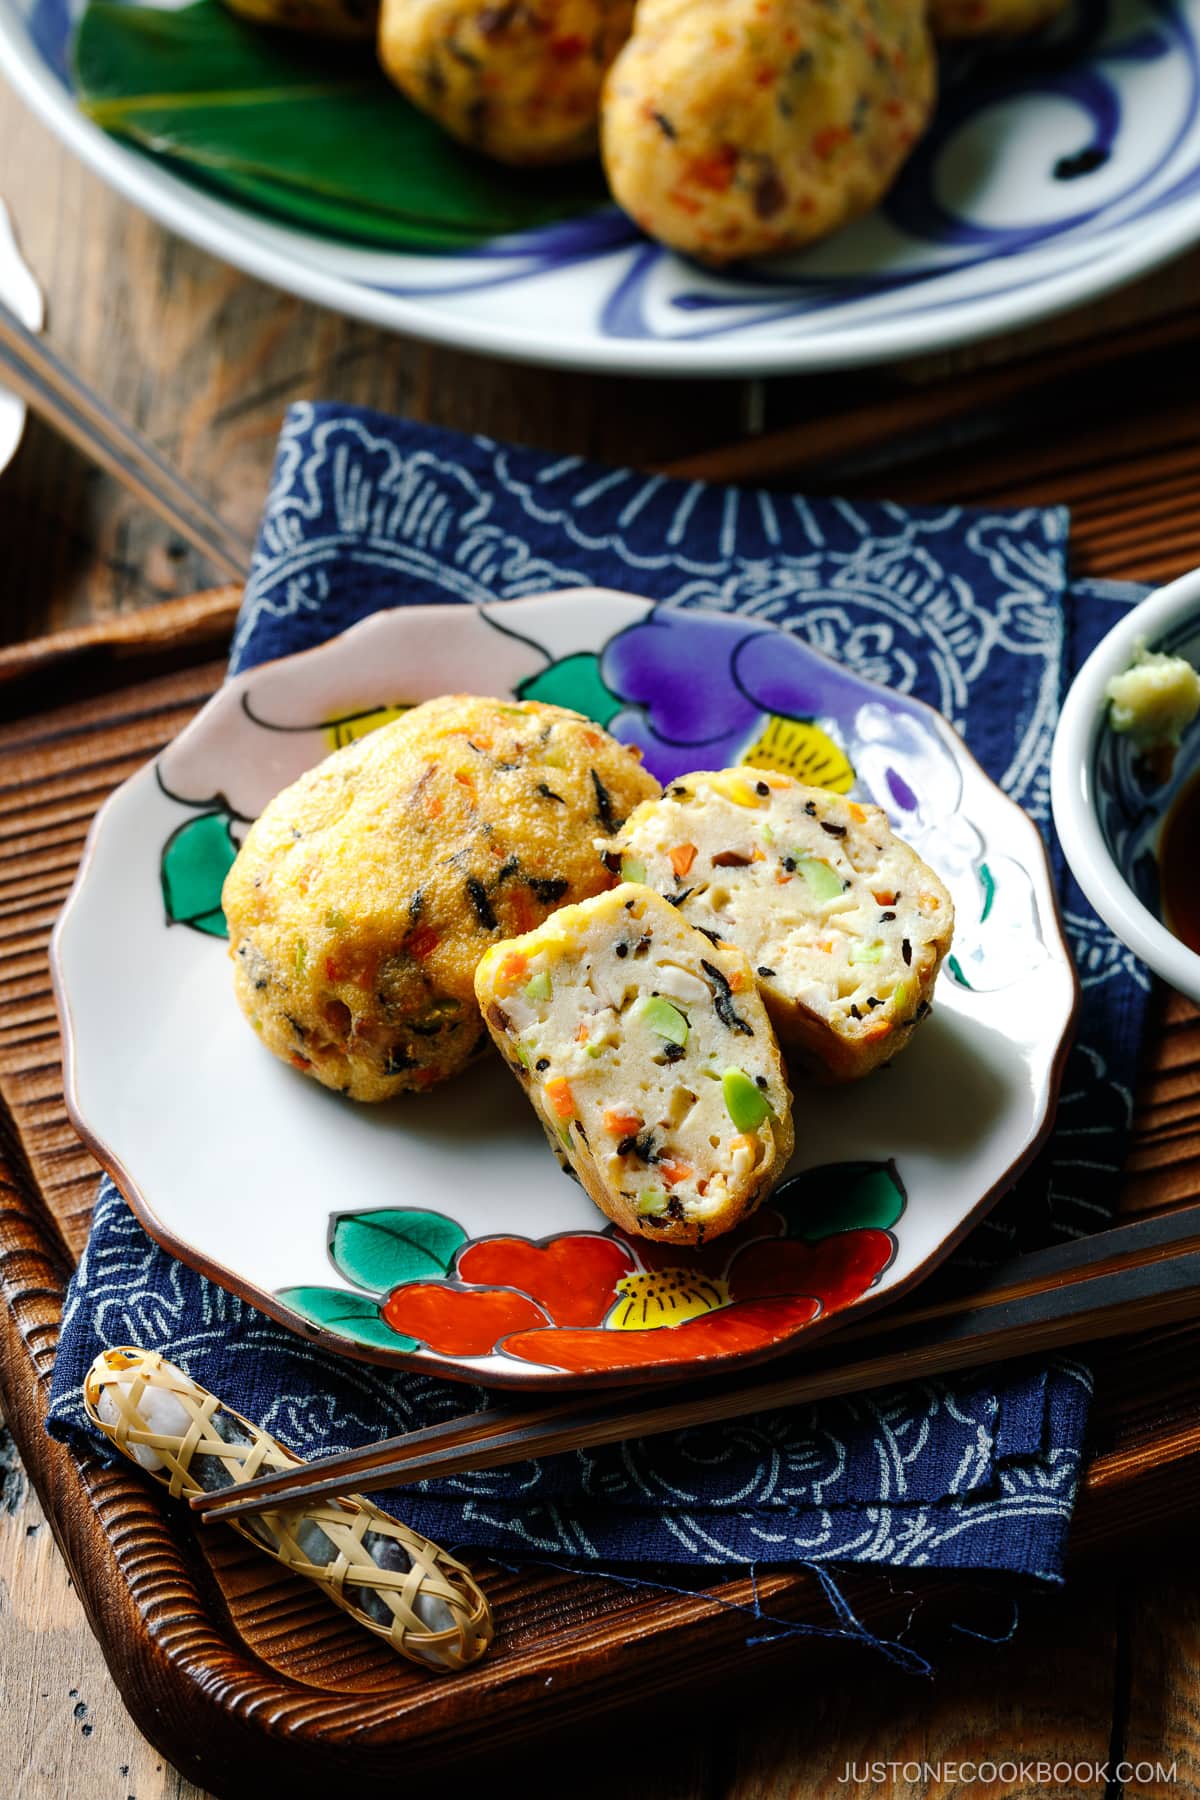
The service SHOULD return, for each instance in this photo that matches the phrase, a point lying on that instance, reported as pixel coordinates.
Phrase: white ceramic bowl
(1107, 821)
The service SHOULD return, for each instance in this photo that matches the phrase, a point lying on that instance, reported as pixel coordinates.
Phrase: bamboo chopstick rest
(398, 1585)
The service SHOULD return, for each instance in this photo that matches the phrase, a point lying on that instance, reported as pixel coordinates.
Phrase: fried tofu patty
(519, 82)
(649, 1058)
(366, 893)
(737, 128)
(843, 923)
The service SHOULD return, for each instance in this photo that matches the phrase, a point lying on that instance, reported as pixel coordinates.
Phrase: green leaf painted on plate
(574, 681)
(349, 1315)
(956, 969)
(378, 1250)
(841, 1197)
(304, 128)
(195, 862)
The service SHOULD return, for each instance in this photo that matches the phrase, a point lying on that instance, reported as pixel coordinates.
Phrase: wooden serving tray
(240, 1677)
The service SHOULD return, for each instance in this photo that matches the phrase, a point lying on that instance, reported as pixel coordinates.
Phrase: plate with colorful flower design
(435, 1230)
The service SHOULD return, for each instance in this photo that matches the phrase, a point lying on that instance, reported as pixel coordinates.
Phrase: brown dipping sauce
(1179, 866)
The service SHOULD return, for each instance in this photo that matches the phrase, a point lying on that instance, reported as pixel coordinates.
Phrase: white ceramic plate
(1056, 170)
(437, 1228)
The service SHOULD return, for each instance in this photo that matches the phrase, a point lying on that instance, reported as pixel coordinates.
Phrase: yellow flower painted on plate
(341, 732)
(798, 748)
(665, 1297)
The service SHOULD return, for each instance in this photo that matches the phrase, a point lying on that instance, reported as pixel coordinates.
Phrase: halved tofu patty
(649, 1057)
(843, 923)
(366, 893)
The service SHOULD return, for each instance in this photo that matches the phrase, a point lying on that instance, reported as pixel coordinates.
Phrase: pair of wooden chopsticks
(31, 369)
(1120, 1281)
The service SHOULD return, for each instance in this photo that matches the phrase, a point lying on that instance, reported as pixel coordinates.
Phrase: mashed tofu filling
(843, 923)
(649, 1057)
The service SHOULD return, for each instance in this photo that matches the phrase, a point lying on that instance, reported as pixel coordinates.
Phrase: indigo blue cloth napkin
(969, 610)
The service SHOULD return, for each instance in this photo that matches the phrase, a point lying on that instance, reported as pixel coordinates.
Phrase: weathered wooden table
(205, 360)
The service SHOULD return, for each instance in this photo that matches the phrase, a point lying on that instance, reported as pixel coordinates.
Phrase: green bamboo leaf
(306, 129)
(377, 1250)
(350, 1316)
(841, 1197)
(195, 862)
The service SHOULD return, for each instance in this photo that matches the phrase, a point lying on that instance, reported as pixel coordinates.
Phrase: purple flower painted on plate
(708, 691)
(674, 672)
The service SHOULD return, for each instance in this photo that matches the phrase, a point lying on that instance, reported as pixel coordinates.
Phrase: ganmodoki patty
(367, 892)
(843, 924)
(648, 1056)
(740, 128)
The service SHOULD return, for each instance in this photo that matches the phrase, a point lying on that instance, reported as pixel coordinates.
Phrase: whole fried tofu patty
(738, 128)
(649, 1058)
(366, 893)
(843, 923)
(519, 82)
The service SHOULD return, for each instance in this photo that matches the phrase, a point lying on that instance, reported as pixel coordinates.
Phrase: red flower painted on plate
(457, 1321)
(774, 1288)
(602, 1301)
(574, 1278)
(714, 1258)
(729, 1331)
(568, 1308)
(836, 1270)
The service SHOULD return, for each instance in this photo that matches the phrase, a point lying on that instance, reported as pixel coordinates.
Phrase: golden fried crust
(366, 893)
(520, 82)
(990, 18)
(320, 18)
(736, 128)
